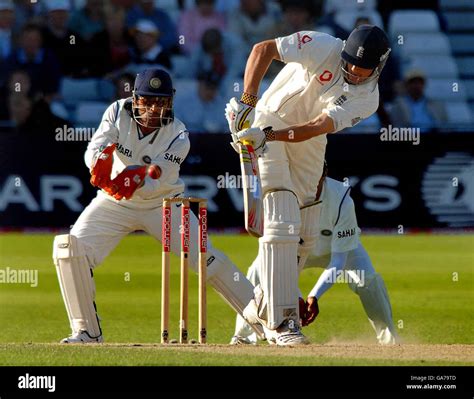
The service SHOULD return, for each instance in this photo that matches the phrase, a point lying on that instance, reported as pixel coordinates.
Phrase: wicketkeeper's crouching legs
(77, 288)
(373, 294)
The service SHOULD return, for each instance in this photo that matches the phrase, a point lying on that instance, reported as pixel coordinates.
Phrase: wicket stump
(165, 264)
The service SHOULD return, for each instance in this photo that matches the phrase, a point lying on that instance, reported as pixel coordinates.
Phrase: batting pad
(278, 250)
(77, 285)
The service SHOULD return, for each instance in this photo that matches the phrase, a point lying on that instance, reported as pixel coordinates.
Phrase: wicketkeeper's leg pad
(77, 284)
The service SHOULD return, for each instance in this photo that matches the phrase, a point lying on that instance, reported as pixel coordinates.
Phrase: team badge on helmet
(155, 83)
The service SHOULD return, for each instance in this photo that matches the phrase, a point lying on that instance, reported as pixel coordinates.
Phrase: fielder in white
(133, 134)
(339, 251)
(325, 86)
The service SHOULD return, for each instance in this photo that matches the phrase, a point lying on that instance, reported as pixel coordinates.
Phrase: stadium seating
(466, 66)
(73, 91)
(469, 84)
(462, 43)
(415, 44)
(89, 113)
(446, 90)
(456, 4)
(459, 115)
(183, 86)
(434, 66)
(412, 21)
(346, 19)
(344, 5)
(179, 66)
(460, 21)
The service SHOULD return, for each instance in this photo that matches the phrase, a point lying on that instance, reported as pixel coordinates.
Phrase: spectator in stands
(147, 48)
(205, 103)
(194, 22)
(88, 20)
(127, 5)
(68, 47)
(111, 47)
(18, 82)
(297, 16)
(123, 85)
(252, 22)
(7, 21)
(145, 9)
(26, 11)
(414, 109)
(33, 117)
(218, 53)
(40, 63)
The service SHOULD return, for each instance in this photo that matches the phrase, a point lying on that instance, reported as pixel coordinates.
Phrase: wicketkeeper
(325, 86)
(338, 250)
(134, 133)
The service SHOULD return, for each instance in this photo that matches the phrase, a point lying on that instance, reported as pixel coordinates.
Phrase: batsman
(134, 134)
(326, 85)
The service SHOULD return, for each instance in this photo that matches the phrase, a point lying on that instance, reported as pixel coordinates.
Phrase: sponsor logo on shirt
(341, 100)
(326, 76)
(172, 158)
(124, 151)
(346, 233)
(303, 40)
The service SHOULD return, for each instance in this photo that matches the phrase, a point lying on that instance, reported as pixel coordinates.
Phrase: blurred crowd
(63, 61)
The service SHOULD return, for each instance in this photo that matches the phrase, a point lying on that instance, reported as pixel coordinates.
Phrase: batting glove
(240, 114)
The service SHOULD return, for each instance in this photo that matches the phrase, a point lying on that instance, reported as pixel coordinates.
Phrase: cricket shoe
(82, 337)
(239, 340)
(288, 334)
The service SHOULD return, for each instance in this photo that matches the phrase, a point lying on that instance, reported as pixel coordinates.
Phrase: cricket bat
(252, 190)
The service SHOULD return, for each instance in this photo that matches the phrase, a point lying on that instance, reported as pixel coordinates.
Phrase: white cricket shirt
(168, 151)
(312, 83)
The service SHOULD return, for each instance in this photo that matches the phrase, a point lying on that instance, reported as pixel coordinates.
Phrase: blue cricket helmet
(153, 82)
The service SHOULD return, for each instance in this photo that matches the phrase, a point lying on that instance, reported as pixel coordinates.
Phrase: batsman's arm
(322, 124)
(259, 60)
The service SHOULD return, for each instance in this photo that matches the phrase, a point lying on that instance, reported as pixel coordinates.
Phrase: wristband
(269, 134)
(249, 99)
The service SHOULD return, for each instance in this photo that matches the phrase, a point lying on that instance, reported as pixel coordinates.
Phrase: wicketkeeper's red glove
(311, 310)
(100, 174)
(127, 182)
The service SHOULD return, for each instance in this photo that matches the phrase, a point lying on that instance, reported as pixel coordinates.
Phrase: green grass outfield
(430, 279)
